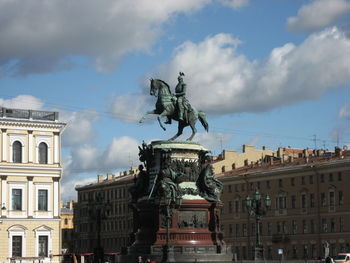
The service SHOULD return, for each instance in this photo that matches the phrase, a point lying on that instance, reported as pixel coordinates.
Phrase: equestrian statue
(175, 107)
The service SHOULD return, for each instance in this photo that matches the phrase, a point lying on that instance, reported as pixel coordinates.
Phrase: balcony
(28, 114)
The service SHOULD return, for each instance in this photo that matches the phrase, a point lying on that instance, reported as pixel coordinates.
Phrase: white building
(30, 173)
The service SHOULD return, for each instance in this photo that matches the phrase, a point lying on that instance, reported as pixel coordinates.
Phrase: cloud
(23, 102)
(235, 4)
(39, 37)
(222, 81)
(213, 140)
(130, 107)
(344, 112)
(79, 127)
(318, 14)
(121, 153)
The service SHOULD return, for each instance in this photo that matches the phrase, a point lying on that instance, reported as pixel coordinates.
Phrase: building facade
(108, 198)
(67, 226)
(310, 206)
(30, 173)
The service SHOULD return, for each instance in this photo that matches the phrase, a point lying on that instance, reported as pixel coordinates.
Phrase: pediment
(17, 228)
(43, 228)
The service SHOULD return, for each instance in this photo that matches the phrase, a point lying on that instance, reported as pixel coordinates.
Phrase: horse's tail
(203, 119)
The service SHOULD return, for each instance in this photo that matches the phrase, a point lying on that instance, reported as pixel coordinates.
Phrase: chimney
(244, 148)
(264, 148)
(99, 178)
(109, 176)
(279, 152)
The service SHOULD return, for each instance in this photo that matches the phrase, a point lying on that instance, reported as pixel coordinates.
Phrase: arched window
(17, 152)
(42, 152)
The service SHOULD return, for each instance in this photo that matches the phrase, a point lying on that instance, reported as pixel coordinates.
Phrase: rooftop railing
(28, 114)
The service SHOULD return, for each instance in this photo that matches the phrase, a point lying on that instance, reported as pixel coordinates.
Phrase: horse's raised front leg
(147, 113)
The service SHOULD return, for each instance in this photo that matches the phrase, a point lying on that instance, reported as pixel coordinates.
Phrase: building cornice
(9, 123)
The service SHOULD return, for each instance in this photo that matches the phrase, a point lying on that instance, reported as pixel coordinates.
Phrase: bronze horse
(166, 107)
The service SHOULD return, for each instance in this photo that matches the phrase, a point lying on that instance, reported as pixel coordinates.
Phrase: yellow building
(230, 160)
(67, 226)
(30, 173)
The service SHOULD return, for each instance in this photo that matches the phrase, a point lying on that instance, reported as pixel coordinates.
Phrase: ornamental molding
(31, 124)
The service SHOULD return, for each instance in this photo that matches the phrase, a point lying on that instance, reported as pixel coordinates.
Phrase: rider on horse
(181, 101)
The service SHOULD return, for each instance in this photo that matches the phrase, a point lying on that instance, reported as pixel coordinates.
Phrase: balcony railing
(28, 114)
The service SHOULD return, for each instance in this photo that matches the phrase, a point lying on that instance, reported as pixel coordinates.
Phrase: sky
(272, 73)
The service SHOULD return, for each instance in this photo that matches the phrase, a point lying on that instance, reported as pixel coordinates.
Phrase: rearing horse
(166, 107)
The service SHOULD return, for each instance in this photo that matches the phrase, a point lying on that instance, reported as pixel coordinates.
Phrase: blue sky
(266, 72)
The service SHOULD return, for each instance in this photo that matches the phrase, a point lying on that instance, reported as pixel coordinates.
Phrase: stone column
(30, 146)
(56, 198)
(56, 148)
(4, 202)
(4, 145)
(30, 197)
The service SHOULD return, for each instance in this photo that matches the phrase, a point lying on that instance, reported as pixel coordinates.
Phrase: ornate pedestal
(177, 206)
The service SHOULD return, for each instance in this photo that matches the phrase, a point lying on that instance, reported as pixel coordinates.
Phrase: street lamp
(255, 207)
(99, 210)
(168, 249)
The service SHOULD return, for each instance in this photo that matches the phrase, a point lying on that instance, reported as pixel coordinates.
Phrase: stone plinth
(177, 206)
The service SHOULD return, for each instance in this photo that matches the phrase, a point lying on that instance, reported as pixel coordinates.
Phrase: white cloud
(79, 127)
(38, 37)
(318, 14)
(344, 112)
(220, 80)
(213, 140)
(130, 107)
(121, 153)
(235, 3)
(23, 102)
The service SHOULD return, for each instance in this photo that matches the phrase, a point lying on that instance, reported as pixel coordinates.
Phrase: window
(312, 200)
(323, 199)
(330, 177)
(43, 246)
(237, 230)
(303, 201)
(244, 230)
(312, 226)
(332, 225)
(268, 186)
(339, 176)
(66, 221)
(16, 246)
(269, 228)
(230, 207)
(230, 188)
(43, 153)
(331, 198)
(341, 224)
(294, 227)
(304, 227)
(237, 206)
(311, 179)
(42, 200)
(324, 225)
(293, 201)
(17, 199)
(341, 197)
(322, 178)
(280, 182)
(223, 169)
(17, 152)
(281, 202)
(303, 180)
(292, 181)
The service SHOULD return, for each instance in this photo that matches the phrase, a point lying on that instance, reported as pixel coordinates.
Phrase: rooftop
(28, 114)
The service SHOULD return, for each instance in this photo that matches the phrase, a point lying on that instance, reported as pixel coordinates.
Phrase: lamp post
(168, 249)
(255, 207)
(99, 211)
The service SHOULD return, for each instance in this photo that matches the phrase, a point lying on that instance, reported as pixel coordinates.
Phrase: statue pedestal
(177, 213)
